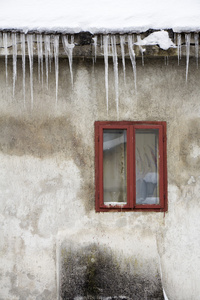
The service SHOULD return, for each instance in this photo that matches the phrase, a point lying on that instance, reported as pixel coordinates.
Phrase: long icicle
(141, 49)
(38, 52)
(69, 51)
(132, 57)
(30, 54)
(47, 51)
(196, 39)
(95, 47)
(56, 60)
(187, 43)
(5, 43)
(41, 56)
(23, 64)
(14, 44)
(105, 47)
(122, 43)
(115, 65)
(51, 49)
(179, 47)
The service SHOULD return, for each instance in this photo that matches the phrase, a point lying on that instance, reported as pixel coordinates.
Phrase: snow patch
(160, 38)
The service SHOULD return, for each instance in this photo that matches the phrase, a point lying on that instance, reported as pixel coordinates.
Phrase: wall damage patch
(96, 272)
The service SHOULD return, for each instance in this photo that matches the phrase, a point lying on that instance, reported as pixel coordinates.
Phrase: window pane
(114, 166)
(147, 166)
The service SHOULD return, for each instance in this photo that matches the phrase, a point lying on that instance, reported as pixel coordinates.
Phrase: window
(131, 166)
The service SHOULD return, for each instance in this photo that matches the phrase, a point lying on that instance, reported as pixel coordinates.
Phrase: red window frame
(131, 185)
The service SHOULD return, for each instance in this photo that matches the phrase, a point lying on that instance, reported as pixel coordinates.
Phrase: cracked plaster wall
(47, 185)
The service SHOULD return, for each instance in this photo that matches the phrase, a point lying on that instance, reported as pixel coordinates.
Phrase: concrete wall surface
(53, 243)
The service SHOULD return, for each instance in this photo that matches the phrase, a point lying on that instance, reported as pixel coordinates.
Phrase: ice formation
(132, 56)
(117, 47)
(23, 63)
(95, 47)
(105, 47)
(5, 43)
(56, 56)
(40, 57)
(14, 44)
(179, 47)
(30, 54)
(115, 65)
(68, 47)
(187, 42)
(122, 43)
(141, 49)
(196, 39)
(47, 55)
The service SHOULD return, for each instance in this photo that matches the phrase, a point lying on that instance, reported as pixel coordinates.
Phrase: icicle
(141, 49)
(166, 60)
(38, 53)
(196, 39)
(51, 49)
(72, 39)
(187, 43)
(23, 62)
(47, 51)
(30, 54)
(101, 41)
(115, 65)
(109, 45)
(95, 47)
(14, 44)
(69, 51)
(56, 55)
(5, 43)
(132, 57)
(122, 43)
(40, 57)
(105, 47)
(179, 47)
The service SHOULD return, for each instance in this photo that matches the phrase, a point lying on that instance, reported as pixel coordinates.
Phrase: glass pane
(147, 166)
(114, 166)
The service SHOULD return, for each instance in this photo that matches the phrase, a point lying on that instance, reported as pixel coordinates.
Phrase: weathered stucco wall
(53, 244)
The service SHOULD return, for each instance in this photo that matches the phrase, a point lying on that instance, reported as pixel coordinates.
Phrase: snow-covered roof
(100, 16)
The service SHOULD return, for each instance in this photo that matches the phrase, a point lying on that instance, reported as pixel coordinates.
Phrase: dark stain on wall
(39, 138)
(45, 138)
(95, 272)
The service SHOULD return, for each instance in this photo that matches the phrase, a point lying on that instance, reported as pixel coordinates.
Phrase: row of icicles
(48, 47)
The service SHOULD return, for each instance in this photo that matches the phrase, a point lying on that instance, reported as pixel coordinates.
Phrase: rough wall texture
(51, 238)
(97, 272)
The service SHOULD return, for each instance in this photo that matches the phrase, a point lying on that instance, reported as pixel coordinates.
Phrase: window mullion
(132, 168)
(161, 141)
(101, 166)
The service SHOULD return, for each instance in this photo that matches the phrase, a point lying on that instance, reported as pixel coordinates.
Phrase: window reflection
(147, 166)
(114, 166)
